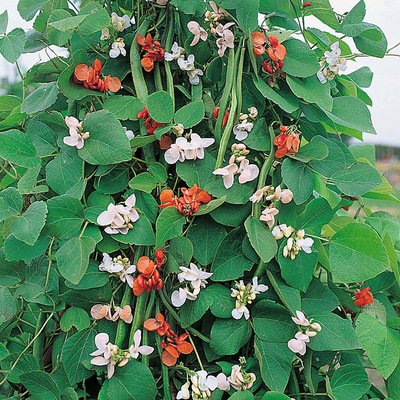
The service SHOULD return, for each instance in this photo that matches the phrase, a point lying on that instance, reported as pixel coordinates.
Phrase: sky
(385, 88)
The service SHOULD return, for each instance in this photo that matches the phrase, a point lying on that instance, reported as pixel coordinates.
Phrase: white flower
(228, 172)
(268, 216)
(301, 319)
(241, 131)
(136, 348)
(109, 265)
(176, 53)
(227, 38)
(129, 134)
(117, 48)
(184, 392)
(248, 172)
(335, 64)
(206, 381)
(124, 313)
(126, 276)
(107, 350)
(253, 112)
(223, 382)
(258, 288)
(179, 297)
(173, 154)
(120, 23)
(283, 195)
(198, 32)
(188, 66)
(105, 34)
(238, 312)
(305, 244)
(119, 219)
(258, 195)
(76, 136)
(194, 275)
(241, 380)
(282, 230)
(299, 344)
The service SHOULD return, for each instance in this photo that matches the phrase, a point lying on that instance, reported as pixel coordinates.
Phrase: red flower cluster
(189, 203)
(160, 259)
(154, 51)
(276, 52)
(364, 297)
(287, 143)
(149, 277)
(348, 198)
(90, 78)
(150, 123)
(226, 115)
(174, 345)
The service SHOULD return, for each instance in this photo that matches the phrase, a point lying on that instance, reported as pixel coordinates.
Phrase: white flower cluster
(109, 354)
(192, 71)
(120, 266)
(183, 150)
(294, 243)
(76, 136)
(299, 343)
(335, 64)
(99, 311)
(241, 130)
(196, 279)
(119, 219)
(247, 172)
(245, 294)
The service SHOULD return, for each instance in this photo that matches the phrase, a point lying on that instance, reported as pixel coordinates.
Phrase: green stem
(38, 344)
(264, 172)
(168, 45)
(157, 76)
(225, 95)
(164, 368)
(138, 317)
(177, 319)
(239, 81)
(145, 359)
(122, 327)
(136, 68)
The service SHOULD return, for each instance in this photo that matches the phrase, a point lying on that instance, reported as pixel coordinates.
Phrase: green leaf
(65, 216)
(298, 272)
(349, 382)
(107, 143)
(272, 322)
(55, 36)
(142, 234)
(28, 226)
(12, 45)
(259, 138)
(357, 179)
(351, 112)
(229, 264)
(76, 317)
(40, 99)
(68, 23)
(123, 107)
(161, 107)
(246, 395)
(73, 257)
(229, 335)
(16, 148)
(140, 141)
(76, 350)
(33, 288)
(362, 77)
(144, 181)
(168, 225)
(28, 8)
(180, 252)
(275, 361)
(3, 21)
(10, 203)
(231, 214)
(329, 195)
(372, 42)
(312, 90)
(247, 15)
(192, 311)
(261, 238)
(8, 305)
(287, 103)
(356, 253)
(300, 61)
(318, 299)
(43, 138)
(97, 18)
(223, 303)
(207, 236)
(93, 278)
(379, 343)
(355, 16)
(190, 6)
(299, 179)
(40, 385)
(322, 10)
(237, 194)
(133, 382)
(212, 205)
(393, 383)
(190, 115)
(16, 250)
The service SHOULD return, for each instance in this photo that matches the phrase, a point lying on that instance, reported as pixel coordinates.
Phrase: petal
(101, 340)
(105, 218)
(145, 350)
(100, 361)
(236, 313)
(228, 181)
(70, 141)
(137, 338)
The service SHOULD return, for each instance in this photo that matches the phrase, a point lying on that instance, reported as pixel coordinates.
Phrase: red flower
(89, 77)
(160, 259)
(158, 324)
(187, 204)
(286, 143)
(364, 297)
(150, 123)
(226, 115)
(149, 277)
(258, 39)
(277, 51)
(154, 51)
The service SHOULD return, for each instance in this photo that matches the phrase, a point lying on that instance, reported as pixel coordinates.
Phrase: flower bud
(289, 244)
(316, 326)
(241, 146)
(285, 252)
(311, 333)
(300, 233)
(292, 255)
